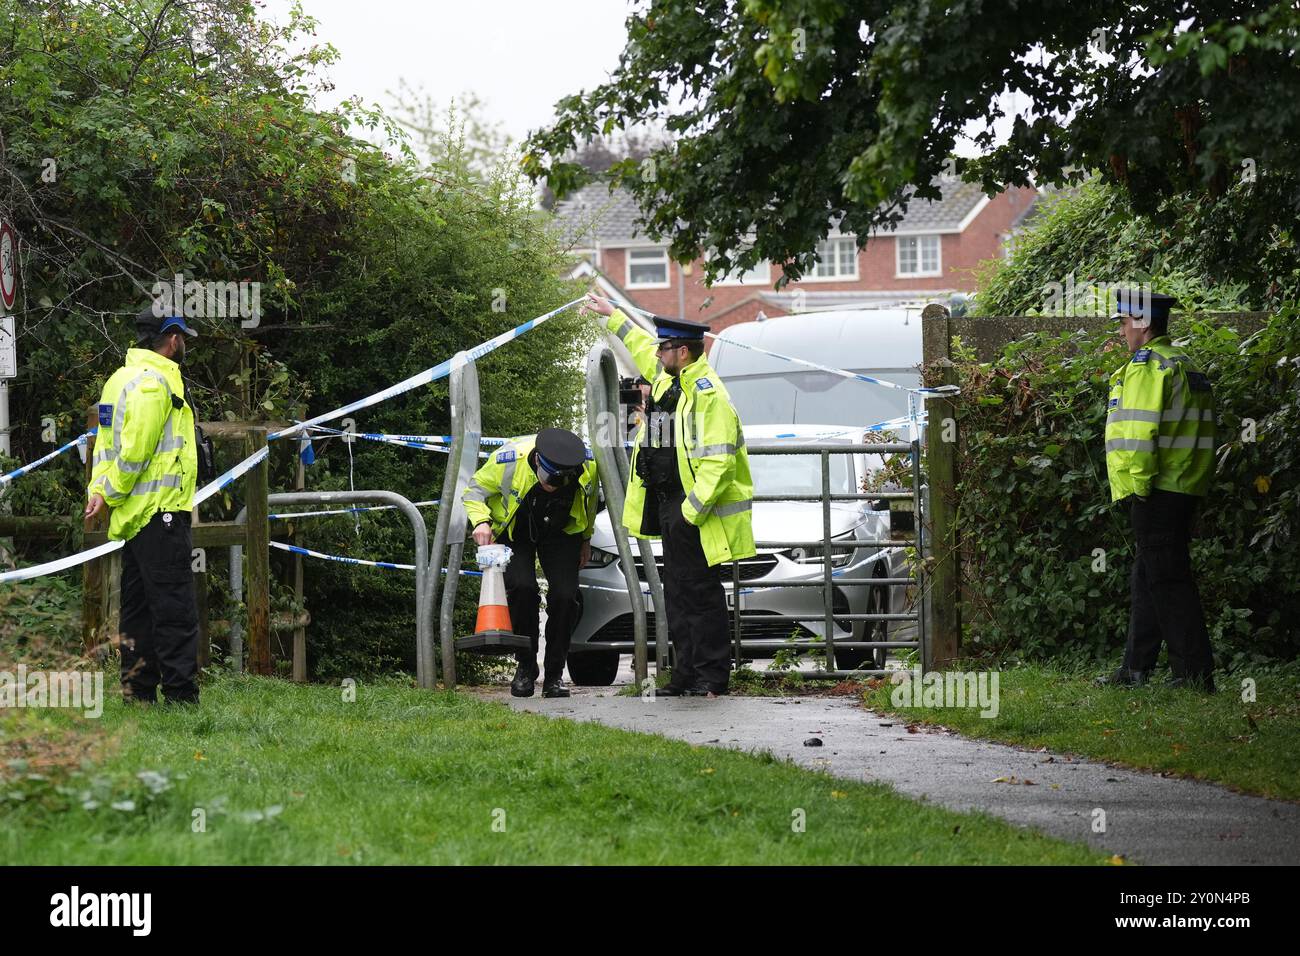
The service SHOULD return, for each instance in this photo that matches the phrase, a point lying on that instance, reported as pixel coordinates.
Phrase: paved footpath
(1149, 819)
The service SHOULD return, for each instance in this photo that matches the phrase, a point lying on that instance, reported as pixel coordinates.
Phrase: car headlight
(600, 558)
(841, 554)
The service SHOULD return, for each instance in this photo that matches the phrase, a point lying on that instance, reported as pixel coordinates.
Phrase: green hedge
(1034, 506)
(221, 168)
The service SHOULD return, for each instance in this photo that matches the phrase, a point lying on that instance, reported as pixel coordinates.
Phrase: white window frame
(627, 268)
(840, 277)
(919, 273)
(745, 278)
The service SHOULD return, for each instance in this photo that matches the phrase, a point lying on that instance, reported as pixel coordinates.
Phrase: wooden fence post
(941, 473)
(257, 558)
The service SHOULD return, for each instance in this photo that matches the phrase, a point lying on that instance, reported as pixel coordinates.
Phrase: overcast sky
(519, 56)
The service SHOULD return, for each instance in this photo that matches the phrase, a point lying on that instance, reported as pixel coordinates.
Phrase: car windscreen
(799, 474)
(803, 398)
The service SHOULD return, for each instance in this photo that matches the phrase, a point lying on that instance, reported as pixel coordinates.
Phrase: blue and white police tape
(429, 375)
(386, 439)
(407, 439)
(842, 373)
(294, 549)
(345, 511)
(424, 441)
(32, 466)
(108, 547)
(388, 565)
(224, 481)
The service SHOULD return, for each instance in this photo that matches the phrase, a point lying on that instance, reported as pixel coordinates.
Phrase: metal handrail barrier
(449, 533)
(612, 463)
(829, 581)
(423, 607)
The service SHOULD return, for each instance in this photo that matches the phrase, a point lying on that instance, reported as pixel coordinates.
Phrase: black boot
(525, 680)
(554, 687)
(1124, 677)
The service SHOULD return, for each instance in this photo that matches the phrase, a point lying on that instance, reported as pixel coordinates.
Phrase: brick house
(930, 256)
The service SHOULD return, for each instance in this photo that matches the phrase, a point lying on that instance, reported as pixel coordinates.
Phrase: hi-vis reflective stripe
(476, 492)
(706, 451)
(148, 487)
(1130, 444)
(1188, 441)
(1179, 414)
(168, 442)
(1134, 415)
(721, 510)
(623, 330)
(131, 467)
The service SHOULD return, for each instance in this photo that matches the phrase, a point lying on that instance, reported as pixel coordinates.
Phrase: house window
(918, 256)
(759, 274)
(837, 259)
(647, 268)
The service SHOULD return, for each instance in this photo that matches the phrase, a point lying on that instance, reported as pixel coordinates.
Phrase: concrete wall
(988, 334)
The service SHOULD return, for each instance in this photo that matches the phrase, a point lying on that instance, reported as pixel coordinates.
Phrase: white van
(882, 343)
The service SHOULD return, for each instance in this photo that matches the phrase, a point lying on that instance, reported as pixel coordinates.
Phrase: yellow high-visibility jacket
(1159, 424)
(145, 460)
(711, 458)
(495, 493)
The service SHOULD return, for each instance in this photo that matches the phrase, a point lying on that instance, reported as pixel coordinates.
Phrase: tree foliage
(184, 140)
(1086, 239)
(789, 114)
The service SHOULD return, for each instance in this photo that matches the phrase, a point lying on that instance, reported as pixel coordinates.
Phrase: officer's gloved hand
(600, 307)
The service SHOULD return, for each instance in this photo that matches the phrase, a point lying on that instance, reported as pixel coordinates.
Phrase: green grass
(1254, 747)
(406, 776)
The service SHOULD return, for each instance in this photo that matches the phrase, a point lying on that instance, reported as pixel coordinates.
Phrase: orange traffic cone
(493, 610)
(493, 632)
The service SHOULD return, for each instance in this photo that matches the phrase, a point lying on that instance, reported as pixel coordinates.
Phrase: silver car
(607, 610)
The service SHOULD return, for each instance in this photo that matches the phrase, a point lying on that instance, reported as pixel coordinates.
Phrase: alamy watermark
(209, 300)
(72, 690)
(1090, 299)
(959, 689)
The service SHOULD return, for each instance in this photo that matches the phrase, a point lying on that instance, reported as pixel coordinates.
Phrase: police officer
(690, 483)
(1160, 459)
(144, 471)
(538, 495)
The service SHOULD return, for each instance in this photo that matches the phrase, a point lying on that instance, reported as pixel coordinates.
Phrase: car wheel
(877, 603)
(594, 668)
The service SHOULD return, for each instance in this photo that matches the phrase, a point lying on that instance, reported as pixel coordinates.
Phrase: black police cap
(562, 449)
(669, 330)
(1147, 305)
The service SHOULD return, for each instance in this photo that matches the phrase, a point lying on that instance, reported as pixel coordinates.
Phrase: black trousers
(159, 616)
(559, 555)
(696, 604)
(1164, 601)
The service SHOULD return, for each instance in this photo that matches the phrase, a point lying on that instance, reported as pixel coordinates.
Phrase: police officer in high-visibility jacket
(1160, 459)
(538, 495)
(144, 471)
(690, 483)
